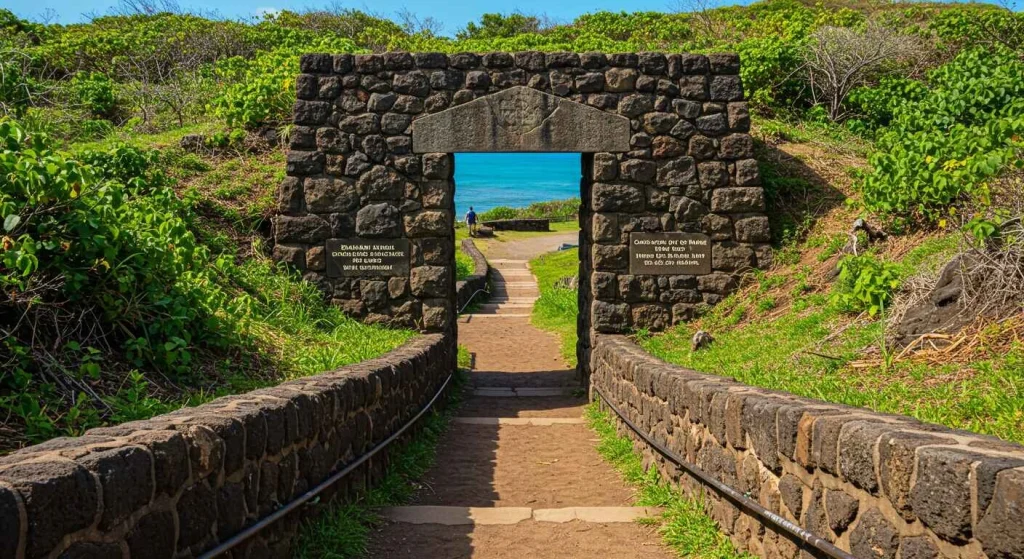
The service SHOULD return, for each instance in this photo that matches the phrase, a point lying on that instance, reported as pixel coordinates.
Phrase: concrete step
(484, 516)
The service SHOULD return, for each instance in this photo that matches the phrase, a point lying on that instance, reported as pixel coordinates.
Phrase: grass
(285, 328)
(787, 350)
(463, 265)
(556, 309)
(343, 529)
(684, 526)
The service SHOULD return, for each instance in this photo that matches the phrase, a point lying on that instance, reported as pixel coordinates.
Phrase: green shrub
(261, 90)
(499, 212)
(96, 92)
(941, 149)
(865, 284)
(105, 235)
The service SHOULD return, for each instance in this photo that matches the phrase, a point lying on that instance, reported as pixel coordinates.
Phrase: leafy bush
(261, 90)
(874, 107)
(965, 129)
(105, 236)
(865, 284)
(96, 92)
(554, 209)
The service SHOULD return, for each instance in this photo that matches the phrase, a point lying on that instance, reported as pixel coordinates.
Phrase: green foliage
(876, 106)
(493, 26)
(555, 209)
(942, 148)
(556, 308)
(463, 266)
(261, 90)
(866, 284)
(96, 92)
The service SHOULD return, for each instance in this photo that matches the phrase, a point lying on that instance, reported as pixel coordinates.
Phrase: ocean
(486, 180)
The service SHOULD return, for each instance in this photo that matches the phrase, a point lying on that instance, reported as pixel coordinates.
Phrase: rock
(610, 318)
(681, 171)
(193, 143)
(638, 170)
(841, 509)
(428, 223)
(738, 200)
(919, 547)
(726, 88)
(701, 340)
(941, 495)
(617, 198)
(753, 229)
(429, 281)
(380, 183)
(792, 491)
(329, 194)
(874, 537)
(378, 220)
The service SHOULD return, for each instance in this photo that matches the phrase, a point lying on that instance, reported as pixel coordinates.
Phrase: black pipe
(741, 500)
(308, 495)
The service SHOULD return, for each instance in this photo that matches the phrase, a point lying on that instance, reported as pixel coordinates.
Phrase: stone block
(611, 318)
(738, 200)
(874, 537)
(941, 494)
(638, 170)
(610, 258)
(681, 171)
(541, 122)
(429, 281)
(753, 229)
(197, 512)
(841, 509)
(330, 194)
(918, 547)
(311, 112)
(736, 146)
(1000, 529)
(792, 491)
(302, 163)
(126, 479)
(153, 536)
(378, 220)
(617, 198)
(726, 88)
(651, 317)
(429, 223)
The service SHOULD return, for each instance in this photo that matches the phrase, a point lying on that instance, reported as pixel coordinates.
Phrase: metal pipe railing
(312, 493)
(824, 546)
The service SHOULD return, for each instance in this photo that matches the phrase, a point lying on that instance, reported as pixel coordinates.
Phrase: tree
(493, 26)
(839, 59)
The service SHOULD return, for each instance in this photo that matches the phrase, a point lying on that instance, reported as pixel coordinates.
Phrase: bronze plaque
(367, 257)
(676, 254)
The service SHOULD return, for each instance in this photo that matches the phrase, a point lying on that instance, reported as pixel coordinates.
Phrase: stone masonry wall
(879, 486)
(177, 484)
(686, 165)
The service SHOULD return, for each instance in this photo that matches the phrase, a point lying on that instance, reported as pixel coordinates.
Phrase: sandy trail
(497, 480)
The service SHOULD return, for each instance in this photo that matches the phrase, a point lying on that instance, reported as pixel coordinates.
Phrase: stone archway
(672, 207)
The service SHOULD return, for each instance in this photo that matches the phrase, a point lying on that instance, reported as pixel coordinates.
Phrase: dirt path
(517, 475)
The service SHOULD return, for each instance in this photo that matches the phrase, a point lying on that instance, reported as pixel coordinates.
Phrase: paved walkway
(517, 475)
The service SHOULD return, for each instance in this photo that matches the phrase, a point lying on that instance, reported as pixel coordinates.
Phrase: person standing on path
(471, 221)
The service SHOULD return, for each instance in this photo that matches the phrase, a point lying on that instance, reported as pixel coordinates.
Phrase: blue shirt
(471, 217)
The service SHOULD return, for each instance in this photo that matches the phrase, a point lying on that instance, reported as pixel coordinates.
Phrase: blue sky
(453, 14)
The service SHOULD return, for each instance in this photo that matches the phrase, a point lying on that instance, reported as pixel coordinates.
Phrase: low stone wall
(464, 290)
(176, 485)
(876, 485)
(519, 224)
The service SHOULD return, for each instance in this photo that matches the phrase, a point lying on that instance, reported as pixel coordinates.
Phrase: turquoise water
(486, 180)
